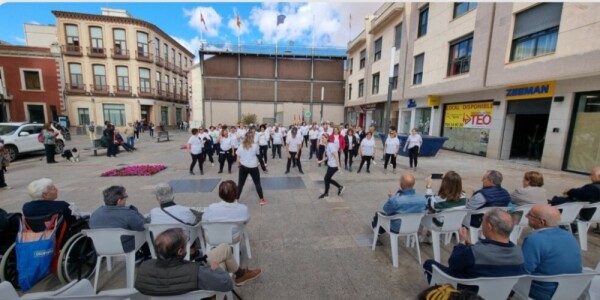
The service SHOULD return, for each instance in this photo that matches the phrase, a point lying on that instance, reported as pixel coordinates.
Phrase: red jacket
(342, 141)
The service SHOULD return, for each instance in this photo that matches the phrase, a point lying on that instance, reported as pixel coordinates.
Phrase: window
(395, 77)
(186, 62)
(536, 31)
(115, 113)
(351, 66)
(181, 87)
(158, 78)
(375, 87)
(178, 115)
(363, 55)
(164, 115)
(96, 43)
(398, 36)
(99, 77)
(84, 116)
(157, 48)
(173, 56)
(142, 44)
(418, 72)
(350, 91)
(460, 56)
(167, 83)
(423, 15)
(461, 8)
(72, 35)
(378, 49)
(76, 76)
(122, 79)
(120, 41)
(166, 52)
(144, 80)
(361, 88)
(180, 61)
(31, 79)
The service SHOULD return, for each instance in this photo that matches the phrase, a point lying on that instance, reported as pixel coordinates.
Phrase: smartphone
(437, 175)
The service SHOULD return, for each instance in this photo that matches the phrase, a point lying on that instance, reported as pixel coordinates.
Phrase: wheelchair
(74, 258)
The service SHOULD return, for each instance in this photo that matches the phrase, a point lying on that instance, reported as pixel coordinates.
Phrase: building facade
(121, 69)
(30, 85)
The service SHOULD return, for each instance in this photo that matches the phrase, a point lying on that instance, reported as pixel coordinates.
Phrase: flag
(239, 21)
(280, 19)
(202, 21)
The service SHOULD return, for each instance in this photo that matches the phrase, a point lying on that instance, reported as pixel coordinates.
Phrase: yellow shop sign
(530, 91)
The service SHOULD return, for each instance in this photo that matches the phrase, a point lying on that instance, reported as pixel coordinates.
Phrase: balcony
(71, 50)
(119, 53)
(98, 89)
(124, 91)
(144, 56)
(161, 92)
(76, 88)
(145, 92)
(159, 61)
(176, 69)
(5, 92)
(96, 52)
(168, 65)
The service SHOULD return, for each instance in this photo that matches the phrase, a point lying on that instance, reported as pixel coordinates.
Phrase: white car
(20, 137)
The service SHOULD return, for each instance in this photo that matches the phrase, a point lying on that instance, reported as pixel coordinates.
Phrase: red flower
(135, 170)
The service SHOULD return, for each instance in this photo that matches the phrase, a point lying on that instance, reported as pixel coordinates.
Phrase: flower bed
(135, 170)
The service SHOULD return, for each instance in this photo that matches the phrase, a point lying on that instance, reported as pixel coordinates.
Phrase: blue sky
(325, 23)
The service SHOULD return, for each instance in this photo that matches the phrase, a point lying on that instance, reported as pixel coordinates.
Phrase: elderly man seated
(43, 194)
(587, 193)
(170, 274)
(493, 256)
(169, 212)
(491, 194)
(549, 250)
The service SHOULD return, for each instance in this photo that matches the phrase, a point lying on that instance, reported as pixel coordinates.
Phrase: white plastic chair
(195, 295)
(409, 227)
(584, 226)
(83, 289)
(153, 230)
(515, 235)
(107, 242)
(568, 213)
(216, 233)
(491, 288)
(570, 286)
(592, 292)
(452, 222)
(8, 292)
(475, 232)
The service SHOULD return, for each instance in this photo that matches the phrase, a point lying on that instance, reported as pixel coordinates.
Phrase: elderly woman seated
(168, 212)
(43, 194)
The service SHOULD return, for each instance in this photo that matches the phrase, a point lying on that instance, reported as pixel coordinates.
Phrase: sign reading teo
(468, 115)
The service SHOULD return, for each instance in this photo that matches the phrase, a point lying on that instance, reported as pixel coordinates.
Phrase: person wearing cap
(294, 146)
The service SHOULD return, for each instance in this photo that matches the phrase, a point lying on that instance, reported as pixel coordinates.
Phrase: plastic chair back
(570, 286)
(452, 219)
(195, 295)
(515, 235)
(569, 211)
(7, 291)
(107, 241)
(154, 230)
(217, 233)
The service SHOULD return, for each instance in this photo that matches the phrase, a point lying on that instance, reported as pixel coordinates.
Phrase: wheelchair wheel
(77, 259)
(8, 266)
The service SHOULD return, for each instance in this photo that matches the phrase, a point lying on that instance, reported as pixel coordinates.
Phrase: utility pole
(388, 105)
(322, 95)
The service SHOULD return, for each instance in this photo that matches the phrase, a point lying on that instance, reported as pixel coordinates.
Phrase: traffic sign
(307, 114)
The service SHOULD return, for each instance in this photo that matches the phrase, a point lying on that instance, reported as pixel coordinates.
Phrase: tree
(249, 119)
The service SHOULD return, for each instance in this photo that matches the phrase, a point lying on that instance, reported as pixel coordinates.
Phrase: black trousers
(50, 152)
(225, 155)
(329, 180)
(389, 157)
(276, 149)
(306, 141)
(262, 150)
(296, 161)
(263, 166)
(197, 158)
(313, 148)
(320, 152)
(348, 155)
(413, 153)
(367, 159)
(111, 148)
(243, 174)
(2, 179)
(136, 134)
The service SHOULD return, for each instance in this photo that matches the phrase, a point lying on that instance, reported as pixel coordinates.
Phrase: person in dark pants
(49, 142)
(413, 144)
(194, 147)
(226, 150)
(3, 160)
(367, 151)
(109, 137)
(294, 146)
(351, 149)
(333, 165)
(248, 162)
(313, 135)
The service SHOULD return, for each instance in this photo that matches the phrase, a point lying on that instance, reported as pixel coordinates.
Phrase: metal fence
(284, 50)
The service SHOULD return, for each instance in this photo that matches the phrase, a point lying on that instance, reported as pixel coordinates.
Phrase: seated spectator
(493, 256)
(170, 274)
(532, 191)
(44, 193)
(587, 193)
(406, 200)
(169, 212)
(490, 195)
(549, 250)
(228, 210)
(116, 214)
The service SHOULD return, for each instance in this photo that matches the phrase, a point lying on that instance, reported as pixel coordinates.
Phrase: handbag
(35, 251)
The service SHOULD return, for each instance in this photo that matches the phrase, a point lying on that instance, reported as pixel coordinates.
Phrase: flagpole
(313, 35)
(350, 28)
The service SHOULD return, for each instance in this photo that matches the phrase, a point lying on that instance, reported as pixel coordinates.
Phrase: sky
(325, 23)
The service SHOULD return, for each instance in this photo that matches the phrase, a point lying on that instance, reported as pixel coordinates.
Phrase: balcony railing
(168, 65)
(159, 61)
(76, 88)
(176, 69)
(143, 56)
(161, 92)
(145, 92)
(118, 53)
(99, 89)
(71, 50)
(122, 90)
(96, 52)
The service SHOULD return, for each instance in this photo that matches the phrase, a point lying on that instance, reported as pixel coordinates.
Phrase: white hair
(38, 187)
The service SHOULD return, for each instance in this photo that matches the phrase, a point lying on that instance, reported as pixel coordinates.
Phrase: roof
(24, 48)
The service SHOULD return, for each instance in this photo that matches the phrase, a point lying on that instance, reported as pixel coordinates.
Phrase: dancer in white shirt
(333, 165)
(294, 145)
(367, 151)
(226, 150)
(391, 147)
(413, 142)
(248, 163)
(194, 147)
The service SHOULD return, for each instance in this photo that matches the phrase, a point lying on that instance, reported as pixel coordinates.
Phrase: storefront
(467, 126)
(416, 116)
(583, 144)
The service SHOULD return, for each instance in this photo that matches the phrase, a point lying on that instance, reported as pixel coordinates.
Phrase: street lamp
(388, 105)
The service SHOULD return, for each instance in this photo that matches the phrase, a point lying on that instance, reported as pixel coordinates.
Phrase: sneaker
(201, 172)
(373, 162)
(301, 172)
(220, 172)
(263, 201)
(287, 172)
(368, 171)
(341, 190)
(248, 275)
(212, 164)
(266, 171)
(394, 171)
(358, 171)
(192, 173)
(323, 196)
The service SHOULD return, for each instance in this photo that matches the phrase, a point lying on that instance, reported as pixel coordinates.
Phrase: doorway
(146, 114)
(405, 119)
(36, 113)
(529, 137)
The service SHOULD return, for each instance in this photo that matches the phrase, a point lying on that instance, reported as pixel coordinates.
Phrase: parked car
(21, 137)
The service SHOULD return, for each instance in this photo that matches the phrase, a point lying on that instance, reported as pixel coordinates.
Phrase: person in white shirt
(169, 212)
(248, 163)
(367, 151)
(227, 210)
(294, 145)
(304, 131)
(225, 150)
(277, 139)
(263, 142)
(321, 149)
(194, 147)
(313, 136)
(413, 143)
(391, 147)
(351, 149)
(333, 165)
(214, 135)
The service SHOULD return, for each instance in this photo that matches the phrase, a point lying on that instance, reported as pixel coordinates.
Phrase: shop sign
(469, 115)
(369, 107)
(530, 91)
(433, 101)
(411, 103)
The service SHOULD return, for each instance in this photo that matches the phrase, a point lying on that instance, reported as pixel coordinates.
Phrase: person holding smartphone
(413, 143)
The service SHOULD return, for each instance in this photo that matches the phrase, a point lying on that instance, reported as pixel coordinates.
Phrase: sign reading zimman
(530, 91)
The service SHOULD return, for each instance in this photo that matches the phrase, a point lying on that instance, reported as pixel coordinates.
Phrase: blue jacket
(486, 258)
(405, 201)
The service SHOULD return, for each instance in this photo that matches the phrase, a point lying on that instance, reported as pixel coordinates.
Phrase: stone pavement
(307, 248)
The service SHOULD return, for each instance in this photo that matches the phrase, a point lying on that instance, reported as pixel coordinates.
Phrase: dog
(71, 155)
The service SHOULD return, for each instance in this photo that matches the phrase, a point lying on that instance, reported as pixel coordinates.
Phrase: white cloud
(33, 22)
(20, 40)
(212, 20)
